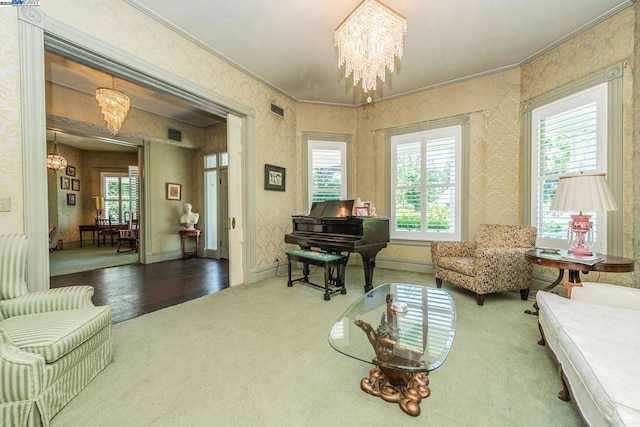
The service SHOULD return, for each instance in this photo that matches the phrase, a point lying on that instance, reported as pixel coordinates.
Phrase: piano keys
(331, 227)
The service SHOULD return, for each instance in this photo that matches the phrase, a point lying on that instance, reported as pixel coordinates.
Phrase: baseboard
(404, 265)
(164, 256)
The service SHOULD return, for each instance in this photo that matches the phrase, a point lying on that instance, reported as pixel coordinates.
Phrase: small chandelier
(54, 160)
(115, 106)
(368, 40)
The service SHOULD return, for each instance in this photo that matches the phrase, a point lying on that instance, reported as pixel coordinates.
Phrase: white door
(235, 188)
(223, 213)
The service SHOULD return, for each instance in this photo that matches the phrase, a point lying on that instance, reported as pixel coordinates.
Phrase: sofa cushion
(607, 366)
(462, 265)
(601, 345)
(54, 334)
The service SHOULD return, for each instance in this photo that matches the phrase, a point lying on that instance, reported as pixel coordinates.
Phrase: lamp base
(580, 226)
(580, 251)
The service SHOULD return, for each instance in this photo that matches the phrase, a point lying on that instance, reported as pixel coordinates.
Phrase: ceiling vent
(275, 109)
(174, 134)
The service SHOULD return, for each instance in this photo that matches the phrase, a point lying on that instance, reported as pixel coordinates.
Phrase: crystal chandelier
(54, 160)
(368, 40)
(115, 106)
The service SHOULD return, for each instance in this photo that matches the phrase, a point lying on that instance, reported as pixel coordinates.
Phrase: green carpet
(257, 355)
(89, 257)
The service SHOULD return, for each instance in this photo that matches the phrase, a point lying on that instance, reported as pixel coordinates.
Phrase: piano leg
(368, 263)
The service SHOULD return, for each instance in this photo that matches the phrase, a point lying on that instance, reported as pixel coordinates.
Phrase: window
(426, 191)
(568, 136)
(120, 192)
(326, 167)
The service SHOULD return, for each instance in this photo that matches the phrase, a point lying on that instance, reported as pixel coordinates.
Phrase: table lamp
(97, 204)
(582, 192)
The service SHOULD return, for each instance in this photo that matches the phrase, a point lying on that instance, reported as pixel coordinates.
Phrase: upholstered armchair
(52, 342)
(493, 263)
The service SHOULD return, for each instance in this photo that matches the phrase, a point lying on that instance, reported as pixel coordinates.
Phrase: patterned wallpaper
(606, 44)
(152, 42)
(10, 132)
(492, 103)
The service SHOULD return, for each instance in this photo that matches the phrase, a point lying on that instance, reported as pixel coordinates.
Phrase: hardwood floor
(136, 289)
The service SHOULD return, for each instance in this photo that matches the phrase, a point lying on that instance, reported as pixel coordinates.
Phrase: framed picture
(71, 170)
(174, 191)
(71, 199)
(362, 210)
(75, 184)
(65, 183)
(274, 178)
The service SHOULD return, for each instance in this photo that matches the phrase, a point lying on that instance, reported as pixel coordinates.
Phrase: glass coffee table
(406, 331)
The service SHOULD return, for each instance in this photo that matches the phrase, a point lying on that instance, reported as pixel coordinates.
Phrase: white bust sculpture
(189, 219)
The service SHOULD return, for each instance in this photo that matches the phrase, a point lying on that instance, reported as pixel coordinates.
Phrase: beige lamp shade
(98, 202)
(583, 192)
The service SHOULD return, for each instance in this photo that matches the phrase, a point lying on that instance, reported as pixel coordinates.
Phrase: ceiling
(288, 45)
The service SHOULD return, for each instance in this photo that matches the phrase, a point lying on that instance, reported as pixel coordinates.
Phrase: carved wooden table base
(408, 393)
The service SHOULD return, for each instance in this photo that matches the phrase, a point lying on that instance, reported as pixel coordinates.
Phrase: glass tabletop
(398, 326)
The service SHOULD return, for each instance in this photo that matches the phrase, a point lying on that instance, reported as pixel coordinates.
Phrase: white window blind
(425, 182)
(569, 136)
(327, 169)
(121, 195)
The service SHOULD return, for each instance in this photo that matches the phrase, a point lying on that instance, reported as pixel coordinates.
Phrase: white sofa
(595, 338)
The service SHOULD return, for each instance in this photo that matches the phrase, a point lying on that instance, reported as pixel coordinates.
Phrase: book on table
(583, 259)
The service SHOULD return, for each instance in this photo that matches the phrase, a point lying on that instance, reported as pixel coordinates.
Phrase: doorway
(67, 41)
(105, 185)
(216, 187)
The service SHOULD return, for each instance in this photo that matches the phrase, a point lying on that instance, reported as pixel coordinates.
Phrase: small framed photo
(71, 199)
(65, 183)
(71, 171)
(174, 191)
(362, 210)
(75, 184)
(274, 178)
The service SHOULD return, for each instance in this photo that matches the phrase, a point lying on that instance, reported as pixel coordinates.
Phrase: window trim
(465, 138)
(325, 137)
(613, 77)
(119, 175)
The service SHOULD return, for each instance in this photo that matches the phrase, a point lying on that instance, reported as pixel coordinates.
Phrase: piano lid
(331, 209)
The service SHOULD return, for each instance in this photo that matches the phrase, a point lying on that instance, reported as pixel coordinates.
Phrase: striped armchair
(52, 343)
(494, 263)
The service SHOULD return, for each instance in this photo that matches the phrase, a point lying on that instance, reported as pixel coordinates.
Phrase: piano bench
(334, 270)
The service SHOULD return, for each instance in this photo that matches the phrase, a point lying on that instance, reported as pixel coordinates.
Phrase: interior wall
(609, 43)
(169, 164)
(88, 166)
(154, 43)
(66, 216)
(322, 119)
(492, 103)
(11, 184)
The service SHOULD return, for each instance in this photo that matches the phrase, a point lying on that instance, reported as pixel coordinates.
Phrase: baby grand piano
(331, 227)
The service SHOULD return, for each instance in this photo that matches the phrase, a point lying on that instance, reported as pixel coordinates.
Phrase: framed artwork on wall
(75, 184)
(174, 191)
(274, 178)
(71, 171)
(71, 199)
(65, 183)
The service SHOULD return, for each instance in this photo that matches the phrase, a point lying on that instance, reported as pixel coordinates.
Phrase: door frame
(39, 33)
